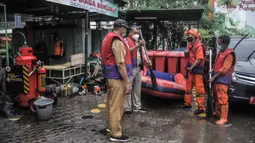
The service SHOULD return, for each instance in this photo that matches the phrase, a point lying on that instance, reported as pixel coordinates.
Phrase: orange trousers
(197, 81)
(220, 94)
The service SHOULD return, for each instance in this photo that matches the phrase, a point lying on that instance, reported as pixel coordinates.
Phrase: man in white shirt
(137, 57)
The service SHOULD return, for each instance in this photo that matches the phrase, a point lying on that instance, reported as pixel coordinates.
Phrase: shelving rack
(6, 34)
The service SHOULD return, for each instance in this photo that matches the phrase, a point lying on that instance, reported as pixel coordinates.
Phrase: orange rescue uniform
(220, 90)
(195, 80)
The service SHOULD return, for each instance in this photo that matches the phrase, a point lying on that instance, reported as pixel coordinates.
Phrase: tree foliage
(169, 33)
(225, 23)
(172, 32)
(164, 4)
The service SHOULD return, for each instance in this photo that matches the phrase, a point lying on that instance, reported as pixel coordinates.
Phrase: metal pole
(209, 110)
(100, 34)
(6, 36)
(210, 66)
(86, 41)
(155, 25)
(73, 38)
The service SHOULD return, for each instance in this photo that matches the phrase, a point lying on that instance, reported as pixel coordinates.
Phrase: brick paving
(163, 123)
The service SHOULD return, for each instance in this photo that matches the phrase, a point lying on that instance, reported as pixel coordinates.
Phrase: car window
(244, 49)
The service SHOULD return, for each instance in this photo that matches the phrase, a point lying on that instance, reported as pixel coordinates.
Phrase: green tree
(219, 25)
(171, 31)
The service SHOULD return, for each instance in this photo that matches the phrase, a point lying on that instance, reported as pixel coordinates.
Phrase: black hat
(136, 26)
(120, 23)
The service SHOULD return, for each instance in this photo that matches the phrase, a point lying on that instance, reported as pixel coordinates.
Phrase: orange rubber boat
(169, 85)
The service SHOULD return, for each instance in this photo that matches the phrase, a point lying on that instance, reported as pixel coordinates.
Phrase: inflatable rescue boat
(169, 85)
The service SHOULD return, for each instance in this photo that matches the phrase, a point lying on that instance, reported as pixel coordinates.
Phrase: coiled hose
(25, 41)
(96, 68)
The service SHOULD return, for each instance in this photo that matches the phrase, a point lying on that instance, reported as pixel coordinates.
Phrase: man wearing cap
(134, 98)
(195, 68)
(117, 68)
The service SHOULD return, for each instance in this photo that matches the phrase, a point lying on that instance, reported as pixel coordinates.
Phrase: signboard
(77, 59)
(15, 79)
(239, 14)
(100, 6)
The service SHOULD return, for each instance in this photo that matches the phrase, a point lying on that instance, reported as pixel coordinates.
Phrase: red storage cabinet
(173, 62)
(183, 64)
(160, 61)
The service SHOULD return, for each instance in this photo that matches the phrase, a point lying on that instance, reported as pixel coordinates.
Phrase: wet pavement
(163, 123)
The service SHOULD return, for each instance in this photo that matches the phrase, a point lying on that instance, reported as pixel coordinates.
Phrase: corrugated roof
(165, 15)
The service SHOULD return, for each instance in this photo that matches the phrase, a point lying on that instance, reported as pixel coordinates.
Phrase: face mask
(135, 37)
(189, 39)
(220, 47)
(123, 35)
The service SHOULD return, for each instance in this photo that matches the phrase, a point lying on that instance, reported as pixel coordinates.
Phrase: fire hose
(39, 64)
(25, 40)
(96, 68)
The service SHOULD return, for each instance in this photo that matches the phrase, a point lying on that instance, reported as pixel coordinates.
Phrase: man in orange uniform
(222, 75)
(58, 48)
(195, 53)
(117, 68)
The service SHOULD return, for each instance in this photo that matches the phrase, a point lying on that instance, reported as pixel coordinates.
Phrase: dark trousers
(4, 97)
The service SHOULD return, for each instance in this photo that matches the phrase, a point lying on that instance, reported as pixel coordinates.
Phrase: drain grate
(87, 117)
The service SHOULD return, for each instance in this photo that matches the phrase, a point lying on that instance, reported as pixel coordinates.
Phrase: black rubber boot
(197, 112)
(185, 106)
(10, 112)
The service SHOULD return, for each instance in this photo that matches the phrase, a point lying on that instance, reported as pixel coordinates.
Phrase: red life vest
(218, 64)
(192, 58)
(131, 44)
(110, 69)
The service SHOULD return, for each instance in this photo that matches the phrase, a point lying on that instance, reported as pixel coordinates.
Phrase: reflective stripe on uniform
(200, 95)
(189, 93)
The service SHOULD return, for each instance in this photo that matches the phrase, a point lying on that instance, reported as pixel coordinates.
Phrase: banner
(100, 6)
(239, 14)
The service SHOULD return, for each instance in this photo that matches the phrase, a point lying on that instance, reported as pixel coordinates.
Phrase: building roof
(165, 15)
(41, 7)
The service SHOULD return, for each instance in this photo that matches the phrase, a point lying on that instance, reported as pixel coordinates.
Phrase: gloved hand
(186, 53)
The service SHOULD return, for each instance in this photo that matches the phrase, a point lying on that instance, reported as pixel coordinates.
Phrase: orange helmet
(192, 32)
